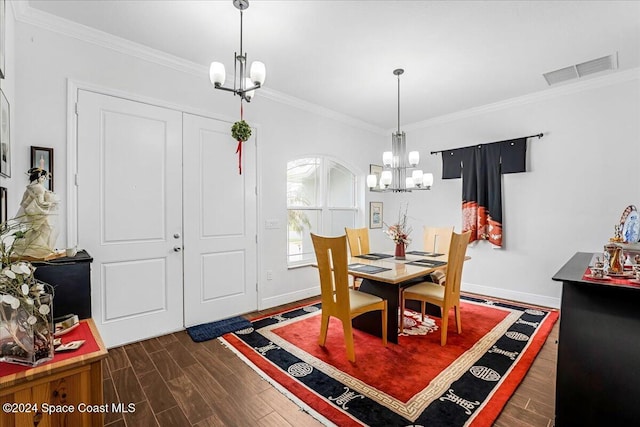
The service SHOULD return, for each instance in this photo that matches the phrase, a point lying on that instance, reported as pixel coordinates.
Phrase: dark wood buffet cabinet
(598, 372)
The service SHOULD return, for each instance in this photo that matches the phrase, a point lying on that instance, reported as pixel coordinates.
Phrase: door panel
(229, 268)
(142, 297)
(220, 264)
(129, 209)
(144, 167)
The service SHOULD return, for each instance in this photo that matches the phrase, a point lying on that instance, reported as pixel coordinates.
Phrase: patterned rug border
(480, 411)
(289, 395)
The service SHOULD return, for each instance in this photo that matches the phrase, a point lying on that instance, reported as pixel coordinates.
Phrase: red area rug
(417, 381)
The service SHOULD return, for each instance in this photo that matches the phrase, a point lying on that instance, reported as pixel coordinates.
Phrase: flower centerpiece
(399, 233)
(26, 314)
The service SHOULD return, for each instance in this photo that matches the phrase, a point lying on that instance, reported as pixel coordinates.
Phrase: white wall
(47, 59)
(581, 176)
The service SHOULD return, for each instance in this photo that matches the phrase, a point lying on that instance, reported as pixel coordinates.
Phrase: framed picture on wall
(5, 137)
(375, 214)
(42, 157)
(3, 37)
(377, 171)
(3, 204)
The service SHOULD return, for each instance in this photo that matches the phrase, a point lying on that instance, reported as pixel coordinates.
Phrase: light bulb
(409, 182)
(217, 73)
(414, 158)
(258, 73)
(427, 179)
(385, 178)
(387, 158)
(249, 94)
(372, 181)
(417, 175)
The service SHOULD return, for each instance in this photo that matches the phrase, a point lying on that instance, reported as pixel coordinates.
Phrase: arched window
(321, 198)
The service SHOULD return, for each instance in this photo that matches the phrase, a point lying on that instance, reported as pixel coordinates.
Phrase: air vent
(561, 75)
(598, 65)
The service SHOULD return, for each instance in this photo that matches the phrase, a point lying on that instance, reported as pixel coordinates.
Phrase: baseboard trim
(289, 297)
(528, 298)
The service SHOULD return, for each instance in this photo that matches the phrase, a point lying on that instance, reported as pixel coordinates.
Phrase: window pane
(300, 223)
(341, 219)
(341, 186)
(303, 182)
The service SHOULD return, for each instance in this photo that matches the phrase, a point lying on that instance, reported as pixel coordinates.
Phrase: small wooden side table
(66, 391)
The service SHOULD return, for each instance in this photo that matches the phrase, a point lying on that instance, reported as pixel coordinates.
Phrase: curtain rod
(540, 135)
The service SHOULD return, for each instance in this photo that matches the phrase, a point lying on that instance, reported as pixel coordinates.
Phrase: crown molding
(547, 94)
(18, 7)
(56, 24)
(321, 111)
(29, 15)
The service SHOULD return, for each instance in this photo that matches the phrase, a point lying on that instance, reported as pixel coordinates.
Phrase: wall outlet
(269, 274)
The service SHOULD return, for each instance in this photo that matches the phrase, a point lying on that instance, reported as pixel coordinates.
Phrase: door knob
(177, 248)
(176, 236)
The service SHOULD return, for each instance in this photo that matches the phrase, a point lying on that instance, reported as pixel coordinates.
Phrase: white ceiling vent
(605, 63)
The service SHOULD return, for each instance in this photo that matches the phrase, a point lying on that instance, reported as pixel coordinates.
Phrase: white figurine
(37, 212)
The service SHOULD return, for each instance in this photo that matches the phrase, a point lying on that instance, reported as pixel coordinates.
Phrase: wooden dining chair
(447, 296)
(337, 299)
(358, 240)
(438, 240)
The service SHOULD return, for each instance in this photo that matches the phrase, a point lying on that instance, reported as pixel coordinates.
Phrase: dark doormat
(209, 331)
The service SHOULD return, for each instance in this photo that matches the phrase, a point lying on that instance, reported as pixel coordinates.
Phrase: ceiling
(341, 54)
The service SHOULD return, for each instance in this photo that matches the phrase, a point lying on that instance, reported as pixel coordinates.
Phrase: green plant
(240, 131)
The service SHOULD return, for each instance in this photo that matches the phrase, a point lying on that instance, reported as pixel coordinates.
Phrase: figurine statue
(37, 212)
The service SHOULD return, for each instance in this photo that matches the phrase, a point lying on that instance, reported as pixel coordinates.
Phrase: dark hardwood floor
(175, 382)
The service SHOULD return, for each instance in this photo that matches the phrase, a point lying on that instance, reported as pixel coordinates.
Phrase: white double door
(170, 223)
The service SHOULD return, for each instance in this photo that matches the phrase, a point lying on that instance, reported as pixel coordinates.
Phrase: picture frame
(3, 37)
(375, 214)
(377, 171)
(5, 136)
(42, 157)
(3, 205)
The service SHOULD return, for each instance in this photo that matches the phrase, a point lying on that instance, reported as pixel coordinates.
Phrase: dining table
(385, 276)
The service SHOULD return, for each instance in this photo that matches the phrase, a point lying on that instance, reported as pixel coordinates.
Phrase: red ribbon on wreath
(239, 149)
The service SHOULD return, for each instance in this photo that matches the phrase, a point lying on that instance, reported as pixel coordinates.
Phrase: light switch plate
(271, 224)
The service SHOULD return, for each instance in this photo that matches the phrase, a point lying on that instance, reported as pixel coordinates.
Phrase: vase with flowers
(399, 233)
(26, 311)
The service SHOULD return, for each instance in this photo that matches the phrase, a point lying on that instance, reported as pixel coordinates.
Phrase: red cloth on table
(82, 332)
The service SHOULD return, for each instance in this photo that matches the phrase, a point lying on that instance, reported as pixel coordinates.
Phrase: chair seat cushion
(426, 289)
(361, 299)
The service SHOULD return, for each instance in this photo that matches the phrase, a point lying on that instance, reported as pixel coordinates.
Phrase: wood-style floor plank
(142, 416)
(158, 394)
(117, 359)
(110, 396)
(139, 358)
(173, 417)
(165, 364)
(127, 386)
(178, 382)
(189, 399)
(151, 345)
